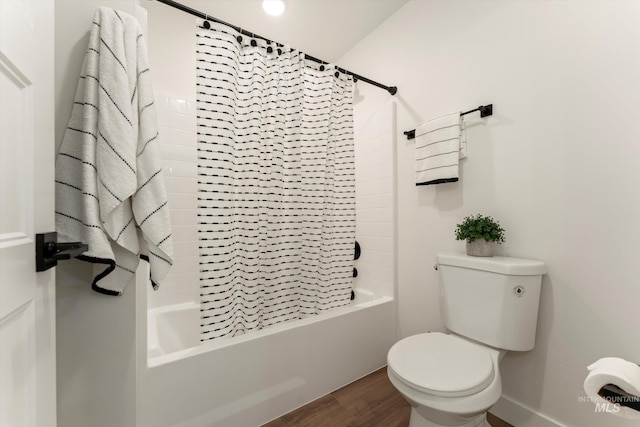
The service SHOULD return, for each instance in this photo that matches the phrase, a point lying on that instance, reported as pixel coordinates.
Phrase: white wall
(172, 54)
(557, 165)
(95, 333)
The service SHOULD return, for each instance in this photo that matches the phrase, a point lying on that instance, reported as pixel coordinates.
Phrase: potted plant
(479, 232)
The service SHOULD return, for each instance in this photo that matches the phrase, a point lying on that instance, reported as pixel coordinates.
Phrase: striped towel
(109, 188)
(440, 144)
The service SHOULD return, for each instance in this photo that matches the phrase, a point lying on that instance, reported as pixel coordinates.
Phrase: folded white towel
(439, 144)
(109, 188)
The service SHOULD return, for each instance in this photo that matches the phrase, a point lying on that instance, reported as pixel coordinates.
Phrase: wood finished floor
(370, 401)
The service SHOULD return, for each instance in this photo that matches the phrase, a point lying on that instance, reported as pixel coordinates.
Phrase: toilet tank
(493, 300)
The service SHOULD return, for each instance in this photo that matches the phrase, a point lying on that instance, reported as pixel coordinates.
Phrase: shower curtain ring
(239, 38)
(206, 24)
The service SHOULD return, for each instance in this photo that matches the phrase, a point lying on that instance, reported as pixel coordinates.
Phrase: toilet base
(418, 420)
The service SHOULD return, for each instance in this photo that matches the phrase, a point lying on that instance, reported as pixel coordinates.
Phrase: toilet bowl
(448, 380)
(490, 305)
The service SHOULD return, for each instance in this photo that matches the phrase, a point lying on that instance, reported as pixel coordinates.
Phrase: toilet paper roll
(616, 371)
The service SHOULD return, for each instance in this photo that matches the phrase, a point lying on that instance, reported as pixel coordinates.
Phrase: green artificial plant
(480, 227)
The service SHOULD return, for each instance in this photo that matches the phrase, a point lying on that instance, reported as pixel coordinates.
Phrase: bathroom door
(27, 298)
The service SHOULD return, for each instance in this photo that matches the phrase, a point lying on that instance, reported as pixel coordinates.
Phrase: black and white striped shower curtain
(276, 214)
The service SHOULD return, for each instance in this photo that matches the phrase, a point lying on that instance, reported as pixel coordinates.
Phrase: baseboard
(517, 414)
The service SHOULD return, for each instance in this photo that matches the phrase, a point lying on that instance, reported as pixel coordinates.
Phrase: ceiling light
(273, 7)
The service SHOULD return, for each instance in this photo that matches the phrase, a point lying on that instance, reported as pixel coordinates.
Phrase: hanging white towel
(439, 145)
(110, 192)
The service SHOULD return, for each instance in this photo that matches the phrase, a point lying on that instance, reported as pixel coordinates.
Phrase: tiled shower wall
(374, 133)
(177, 123)
(374, 136)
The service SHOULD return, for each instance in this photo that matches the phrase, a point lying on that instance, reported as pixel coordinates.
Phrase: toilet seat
(441, 365)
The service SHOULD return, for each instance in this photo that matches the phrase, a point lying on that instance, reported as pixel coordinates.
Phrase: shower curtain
(276, 213)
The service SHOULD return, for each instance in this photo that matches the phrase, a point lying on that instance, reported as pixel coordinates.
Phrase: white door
(27, 298)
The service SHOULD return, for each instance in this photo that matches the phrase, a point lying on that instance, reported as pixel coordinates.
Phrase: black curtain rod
(485, 111)
(391, 89)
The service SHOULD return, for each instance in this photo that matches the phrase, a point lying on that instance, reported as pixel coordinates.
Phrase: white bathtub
(171, 329)
(174, 331)
(249, 380)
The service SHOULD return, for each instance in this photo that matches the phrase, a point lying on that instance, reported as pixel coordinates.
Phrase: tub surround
(177, 135)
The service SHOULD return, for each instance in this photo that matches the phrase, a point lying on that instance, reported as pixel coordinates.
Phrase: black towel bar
(485, 111)
(49, 251)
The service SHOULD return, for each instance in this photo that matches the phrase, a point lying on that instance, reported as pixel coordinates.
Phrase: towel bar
(49, 251)
(485, 111)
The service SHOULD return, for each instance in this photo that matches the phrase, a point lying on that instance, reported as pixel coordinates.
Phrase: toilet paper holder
(615, 394)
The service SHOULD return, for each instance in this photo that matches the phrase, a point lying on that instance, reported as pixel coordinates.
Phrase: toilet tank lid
(495, 264)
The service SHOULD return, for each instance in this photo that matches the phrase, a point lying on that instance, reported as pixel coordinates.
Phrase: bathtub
(248, 380)
(173, 331)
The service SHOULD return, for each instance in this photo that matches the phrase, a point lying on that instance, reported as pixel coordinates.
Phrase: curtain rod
(391, 89)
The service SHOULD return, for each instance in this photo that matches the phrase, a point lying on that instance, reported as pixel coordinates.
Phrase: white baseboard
(519, 415)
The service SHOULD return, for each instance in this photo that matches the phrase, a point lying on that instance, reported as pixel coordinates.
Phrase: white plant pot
(480, 247)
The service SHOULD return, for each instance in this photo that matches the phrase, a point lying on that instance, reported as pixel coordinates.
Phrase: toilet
(490, 306)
